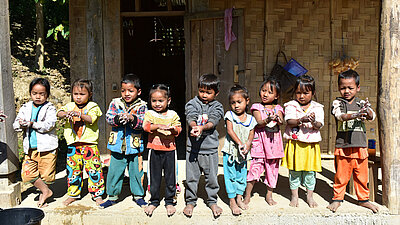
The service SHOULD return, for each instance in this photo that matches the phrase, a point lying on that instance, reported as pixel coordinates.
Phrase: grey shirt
(197, 111)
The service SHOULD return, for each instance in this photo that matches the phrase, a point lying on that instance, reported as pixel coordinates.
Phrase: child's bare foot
(150, 209)
(333, 206)
(310, 199)
(370, 206)
(68, 201)
(294, 201)
(234, 207)
(246, 201)
(170, 210)
(240, 203)
(43, 197)
(268, 198)
(99, 201)
(217, 211)
(188, 210)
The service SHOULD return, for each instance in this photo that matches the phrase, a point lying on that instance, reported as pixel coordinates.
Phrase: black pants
(160, 160)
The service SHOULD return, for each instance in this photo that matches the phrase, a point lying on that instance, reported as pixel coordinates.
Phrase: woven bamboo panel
(304, 26)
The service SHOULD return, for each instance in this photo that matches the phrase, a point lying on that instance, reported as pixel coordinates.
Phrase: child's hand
(311, 117)
(196, 131)
(123, 118)
(24, 123)
(242, 150)
(164, 127)
(2, 116)
(305, 119)
(361, 116)
(71, 114)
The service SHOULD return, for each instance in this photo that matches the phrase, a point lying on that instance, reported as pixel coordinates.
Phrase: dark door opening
(153, 48)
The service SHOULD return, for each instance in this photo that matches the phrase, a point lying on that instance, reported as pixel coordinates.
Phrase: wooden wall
(305, 28)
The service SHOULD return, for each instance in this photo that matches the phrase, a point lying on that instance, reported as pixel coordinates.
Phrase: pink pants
(271, 168)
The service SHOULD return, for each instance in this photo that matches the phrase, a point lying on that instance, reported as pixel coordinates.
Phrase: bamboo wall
(312, 33)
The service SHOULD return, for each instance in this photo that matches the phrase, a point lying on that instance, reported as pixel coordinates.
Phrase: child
(126, 115)
(351, 153)
(37, 118)
(267, 146)
(203, 113)
(163, 126)
(82, 133)
(240, 133)
(304, 119)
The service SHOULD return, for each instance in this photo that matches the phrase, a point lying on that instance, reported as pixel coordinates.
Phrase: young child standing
(203, 113)
(163, 126)
(37, 120)
(240, 133)
(267, 146)
(304, 118)
(82, 133)
(351, 153)
(126, 115)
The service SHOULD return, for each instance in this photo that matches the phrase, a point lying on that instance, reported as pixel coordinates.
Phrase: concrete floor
(85, 211)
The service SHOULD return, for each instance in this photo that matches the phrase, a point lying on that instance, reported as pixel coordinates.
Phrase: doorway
(153, 49)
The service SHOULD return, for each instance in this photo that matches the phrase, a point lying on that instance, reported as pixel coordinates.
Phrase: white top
(306, 133)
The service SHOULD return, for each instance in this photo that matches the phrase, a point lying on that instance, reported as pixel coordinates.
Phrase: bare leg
(310, 199)
(217, 211)
(240, 203)
(149, 210)
(234, 207)
(68, 201)
(249, 188)
(294, 202)
(370, 206)
(188, 210)
(333, 206)
(46, 192)
(268, 198)
(170, 210)
(99, 201)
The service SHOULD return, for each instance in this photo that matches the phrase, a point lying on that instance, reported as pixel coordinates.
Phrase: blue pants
(305, 178)
(116, 172)
(235, 175)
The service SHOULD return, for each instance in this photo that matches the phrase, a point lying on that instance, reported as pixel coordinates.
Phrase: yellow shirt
(90, 132)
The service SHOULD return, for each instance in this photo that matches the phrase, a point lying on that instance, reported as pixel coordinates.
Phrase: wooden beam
(214, 14)
(137, 5)
(388, 103)
(154, 13)
(169, 5)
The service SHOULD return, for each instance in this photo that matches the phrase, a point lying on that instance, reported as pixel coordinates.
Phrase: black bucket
(21, 216)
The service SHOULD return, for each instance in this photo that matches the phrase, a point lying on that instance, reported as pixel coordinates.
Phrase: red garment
(229, 35)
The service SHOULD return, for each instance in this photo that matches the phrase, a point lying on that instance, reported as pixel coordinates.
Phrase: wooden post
(389, 104)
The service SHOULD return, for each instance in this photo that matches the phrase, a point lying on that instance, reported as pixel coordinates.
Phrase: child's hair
(160, 87)
(237, 89)
(349, 74)
(305, 82)
(131, 78)
(42, 81)
(84, 83)
(273, 83)
(209, 81)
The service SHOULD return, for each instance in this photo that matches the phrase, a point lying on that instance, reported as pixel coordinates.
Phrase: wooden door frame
(211, 15)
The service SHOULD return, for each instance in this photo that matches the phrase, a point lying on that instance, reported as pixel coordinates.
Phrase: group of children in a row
(255, 138)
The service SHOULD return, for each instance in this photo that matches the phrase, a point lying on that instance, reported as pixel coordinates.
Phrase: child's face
(267, 94)
(206, 95)
(348, 88)
(238, 103)
(303, 95)
(80, 95)
(38, 94)
(129, 92)
(159, 101)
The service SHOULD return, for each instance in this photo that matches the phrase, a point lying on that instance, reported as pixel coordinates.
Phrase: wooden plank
(151, 14)
(195, 54)
(206, 47)
(389, 117)
(188, 64)
(137, 5)
(95, 55)
(214, 14)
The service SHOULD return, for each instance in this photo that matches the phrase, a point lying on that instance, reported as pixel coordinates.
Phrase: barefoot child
(351, 153)
(240, 133)
(126, 115)
(267, 146)
(163, 126)
(82, 133)
(304, 119)
(203, 113)
(37, 120)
